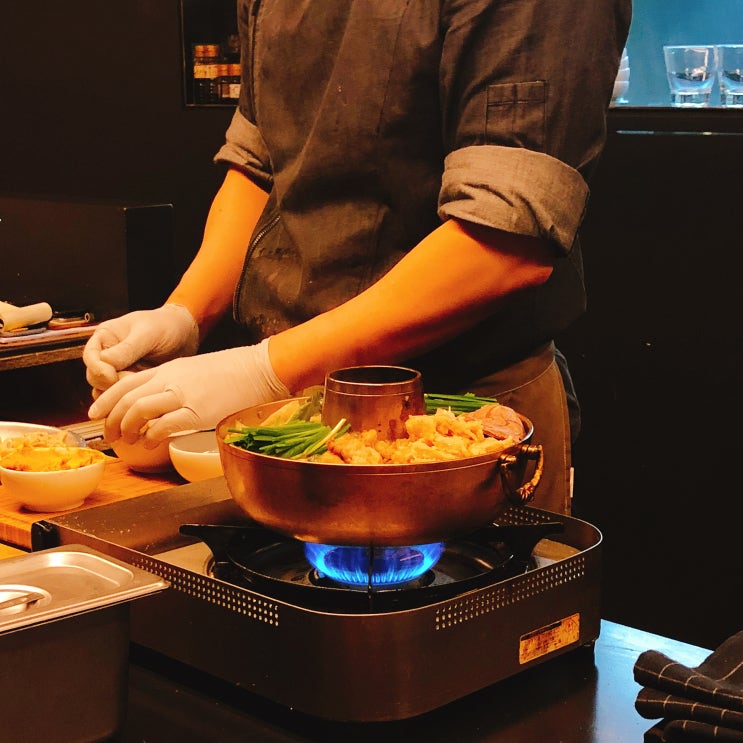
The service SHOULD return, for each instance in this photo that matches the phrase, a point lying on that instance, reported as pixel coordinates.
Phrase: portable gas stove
(359, 636)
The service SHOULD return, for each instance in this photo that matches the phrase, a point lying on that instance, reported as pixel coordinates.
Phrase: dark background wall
(93, 107)
(657, 361)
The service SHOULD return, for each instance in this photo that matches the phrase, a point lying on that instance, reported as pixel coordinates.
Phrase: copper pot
(374, 505)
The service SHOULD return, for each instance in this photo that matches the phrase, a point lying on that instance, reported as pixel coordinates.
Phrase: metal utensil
(30, 597)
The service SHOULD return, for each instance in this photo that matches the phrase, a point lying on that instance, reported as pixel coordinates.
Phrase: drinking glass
(730, 73)
(691, 74)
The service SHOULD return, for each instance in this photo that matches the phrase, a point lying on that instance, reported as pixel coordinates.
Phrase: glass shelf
(659, 22)
(716, 120)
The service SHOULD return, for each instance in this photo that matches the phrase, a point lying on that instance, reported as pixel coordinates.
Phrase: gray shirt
(371, 121)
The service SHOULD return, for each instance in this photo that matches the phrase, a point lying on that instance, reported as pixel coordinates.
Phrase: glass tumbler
(730, 74)
(691, 74)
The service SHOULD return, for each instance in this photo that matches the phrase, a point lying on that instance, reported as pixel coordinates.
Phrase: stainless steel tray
(63, 581)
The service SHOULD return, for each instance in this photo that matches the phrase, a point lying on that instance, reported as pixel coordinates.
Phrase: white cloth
(12, 317)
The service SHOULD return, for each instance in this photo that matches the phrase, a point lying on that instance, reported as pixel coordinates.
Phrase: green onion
(295, 439)
(456, 403)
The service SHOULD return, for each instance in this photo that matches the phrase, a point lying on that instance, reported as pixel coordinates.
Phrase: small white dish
(56, 490)
(195, 456)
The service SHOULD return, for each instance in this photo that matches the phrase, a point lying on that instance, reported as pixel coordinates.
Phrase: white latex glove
(187, 394)
(149, 336)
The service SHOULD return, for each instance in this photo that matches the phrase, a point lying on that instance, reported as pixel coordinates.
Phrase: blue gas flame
(378, 566)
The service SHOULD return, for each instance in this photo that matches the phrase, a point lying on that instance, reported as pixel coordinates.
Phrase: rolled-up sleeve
(245, 149)
(524, 117)
(515, 190)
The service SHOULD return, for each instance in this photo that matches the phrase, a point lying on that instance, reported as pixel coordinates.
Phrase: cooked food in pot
(368, 504)
(498, 421)
(440, 437)
(296, 432)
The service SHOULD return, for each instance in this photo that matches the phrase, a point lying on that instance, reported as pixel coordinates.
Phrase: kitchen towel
(12, 317)
(688, 731)
(696, 703)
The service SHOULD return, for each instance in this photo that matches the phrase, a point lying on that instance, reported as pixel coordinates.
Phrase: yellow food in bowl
(44, 475)
(50, 458)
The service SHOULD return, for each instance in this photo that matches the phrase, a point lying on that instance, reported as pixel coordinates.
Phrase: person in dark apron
(405, 183)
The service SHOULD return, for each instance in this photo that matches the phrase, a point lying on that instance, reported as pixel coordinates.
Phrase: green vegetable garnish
(457, 403)
(296, 439)
(296, 410)
(293, 431)
(311, 408)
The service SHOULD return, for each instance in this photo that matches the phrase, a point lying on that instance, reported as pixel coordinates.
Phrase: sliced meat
(498, 421)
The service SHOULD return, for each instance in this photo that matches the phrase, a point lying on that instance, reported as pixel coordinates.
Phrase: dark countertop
(585, 695)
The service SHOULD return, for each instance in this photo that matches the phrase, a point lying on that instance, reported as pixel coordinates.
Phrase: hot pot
(374, 505)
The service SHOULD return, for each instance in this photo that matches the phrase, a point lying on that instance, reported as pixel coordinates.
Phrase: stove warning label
(544, 640)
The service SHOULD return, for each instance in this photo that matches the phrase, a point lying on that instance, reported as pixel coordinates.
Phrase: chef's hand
(149, 336)
(187, 394)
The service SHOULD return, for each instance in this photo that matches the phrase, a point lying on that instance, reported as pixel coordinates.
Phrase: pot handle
(522, 495)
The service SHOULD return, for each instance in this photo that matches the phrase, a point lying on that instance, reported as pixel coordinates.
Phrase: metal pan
(374, 505)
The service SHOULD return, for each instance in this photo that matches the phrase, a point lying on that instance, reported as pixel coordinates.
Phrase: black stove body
(495, 604)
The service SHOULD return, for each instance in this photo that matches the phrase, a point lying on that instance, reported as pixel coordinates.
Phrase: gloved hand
(187, 394)
(149, 336)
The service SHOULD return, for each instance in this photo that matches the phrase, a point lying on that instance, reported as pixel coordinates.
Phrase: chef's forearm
(208, 284)
(453, 278)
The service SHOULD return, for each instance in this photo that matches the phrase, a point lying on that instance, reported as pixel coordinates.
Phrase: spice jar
(205, 72)
(229, 84)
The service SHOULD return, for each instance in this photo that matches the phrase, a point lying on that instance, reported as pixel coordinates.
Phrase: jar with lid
(205, 73)
(229, 83)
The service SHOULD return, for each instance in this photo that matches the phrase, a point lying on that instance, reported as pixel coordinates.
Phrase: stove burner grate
(253, 557)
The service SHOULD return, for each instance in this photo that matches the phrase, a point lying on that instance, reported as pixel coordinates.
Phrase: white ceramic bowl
(59, 490)
(140, 459)
(195, 456)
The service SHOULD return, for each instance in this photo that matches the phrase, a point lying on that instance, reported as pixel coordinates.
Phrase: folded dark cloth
(688, 731)
(718, 680)
(653, 704)
(702, 703)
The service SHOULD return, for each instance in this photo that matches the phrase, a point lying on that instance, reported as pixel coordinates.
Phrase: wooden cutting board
(118, 483)
(6, 552)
